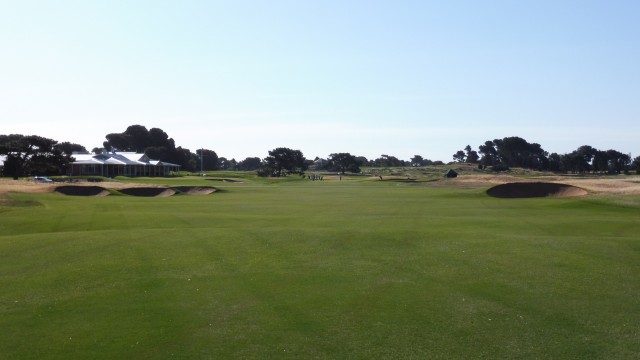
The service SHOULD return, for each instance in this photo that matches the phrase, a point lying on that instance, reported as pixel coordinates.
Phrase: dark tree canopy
(249, 164)
(283, 161)
(156, 144)
(68, 148)
(208, 159)
(459, 156)
(31, 155)
(343, 162)
(137, 138)
(636, 164)
(517, 152)
(387, 161)
(226, 164)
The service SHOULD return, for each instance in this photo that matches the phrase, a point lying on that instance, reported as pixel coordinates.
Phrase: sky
(400, 78)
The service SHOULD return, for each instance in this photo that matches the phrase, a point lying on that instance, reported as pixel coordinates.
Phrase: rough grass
(306, 270)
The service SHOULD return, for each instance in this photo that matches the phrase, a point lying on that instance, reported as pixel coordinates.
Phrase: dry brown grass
(622, 185)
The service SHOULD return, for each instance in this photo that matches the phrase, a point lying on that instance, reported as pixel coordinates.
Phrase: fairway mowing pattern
(320, 272)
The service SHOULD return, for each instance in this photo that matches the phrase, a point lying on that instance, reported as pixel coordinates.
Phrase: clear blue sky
(367, 77)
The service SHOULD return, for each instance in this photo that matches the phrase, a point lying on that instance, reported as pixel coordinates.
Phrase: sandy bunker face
(535, 189)
(195, 190)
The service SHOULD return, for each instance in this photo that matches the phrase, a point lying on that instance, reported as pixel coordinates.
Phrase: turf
(319, 270)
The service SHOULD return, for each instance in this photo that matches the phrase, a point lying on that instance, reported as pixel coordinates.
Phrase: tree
(555, 162)
(155, 143)
(417, 160)
(249, 164)
(489, 153)
(31, 155)
(283, 161)
(116, 142)
(208, 159)
(459, 156)
(472, 156)
(157, 137)
(343, 162)
(636, 164)
(185, 158)
(388, 161)
(618, 162)
(579, 160)
(362, 160)
(68, 148)
(138, 137)
(509, 152)
(225, 164)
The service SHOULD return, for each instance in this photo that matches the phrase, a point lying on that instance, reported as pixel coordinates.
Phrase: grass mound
(148, 191)
(195, 190)
(82, 190)
(535, 189)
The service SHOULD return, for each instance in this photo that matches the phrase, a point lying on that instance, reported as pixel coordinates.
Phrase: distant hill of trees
(36, 155)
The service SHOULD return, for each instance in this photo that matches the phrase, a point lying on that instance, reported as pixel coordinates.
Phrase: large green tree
(510, 152)
(459, 156)
(283, 161)
(636, 164)
(388, 161)
(208, 159)
(156, 144)
(343, 162)
(31, 155)
(137, 138)
(250, 163)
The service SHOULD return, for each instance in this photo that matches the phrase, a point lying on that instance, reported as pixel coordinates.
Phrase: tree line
(36, 155)
(503, 154)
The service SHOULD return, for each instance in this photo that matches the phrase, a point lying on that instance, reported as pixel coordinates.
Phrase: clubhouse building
(114, 164)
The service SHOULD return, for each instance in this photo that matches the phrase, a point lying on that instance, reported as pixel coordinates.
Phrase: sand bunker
(148, 191)
(82, 190)
(535, 189)
(195, 190)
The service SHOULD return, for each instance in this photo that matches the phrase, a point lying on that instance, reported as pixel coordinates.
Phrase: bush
(500, 167)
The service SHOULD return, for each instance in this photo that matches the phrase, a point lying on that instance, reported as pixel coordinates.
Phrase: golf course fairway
(319, 271)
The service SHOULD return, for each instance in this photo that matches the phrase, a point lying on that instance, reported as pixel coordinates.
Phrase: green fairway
(319, 270)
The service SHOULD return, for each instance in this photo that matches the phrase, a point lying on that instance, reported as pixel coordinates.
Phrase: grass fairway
(319, 271)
